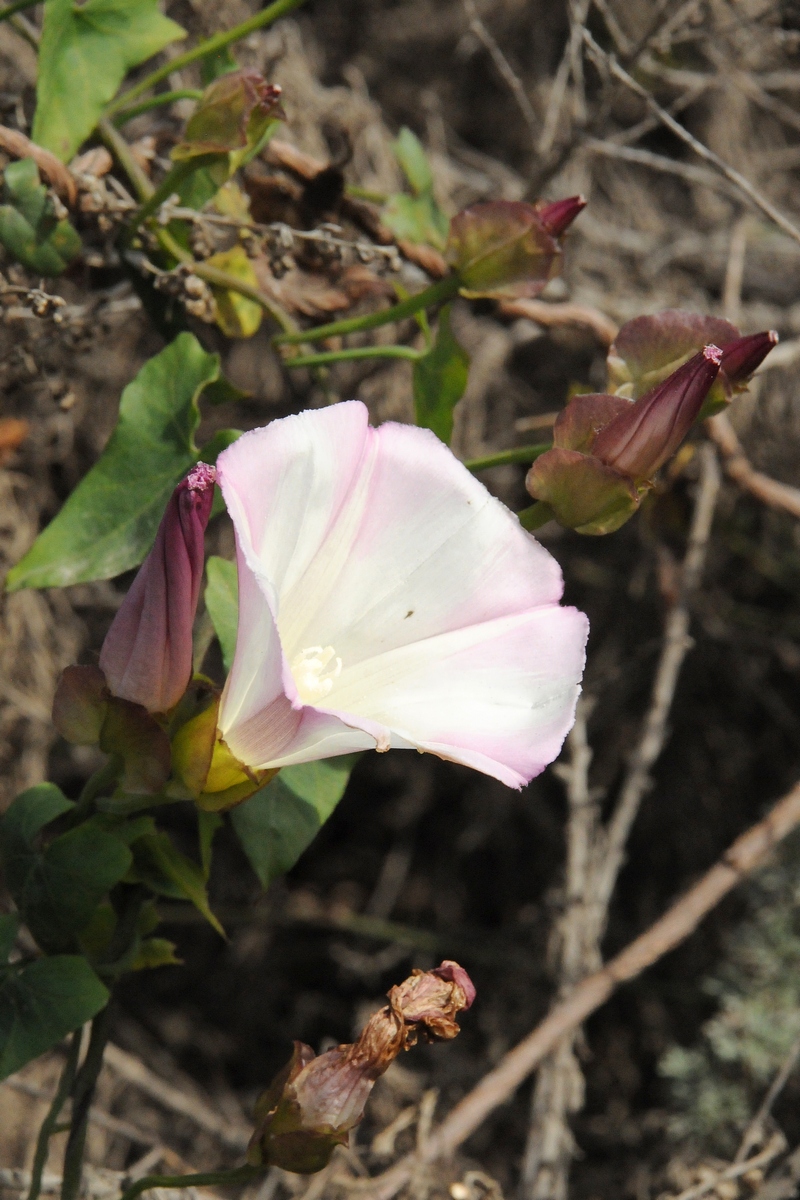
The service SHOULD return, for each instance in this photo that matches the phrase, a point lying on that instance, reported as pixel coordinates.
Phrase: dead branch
(754, 1132)
(675, 647)
(54, 171)
(610, 64)
(595, 855)
(565, 313)
(134, 1072)
(560, 1088)
(748, 852)
(660, 162)
(503, 66)
(776, 1146)
(739, 468)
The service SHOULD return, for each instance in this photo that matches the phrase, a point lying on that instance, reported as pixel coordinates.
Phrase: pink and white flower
(386, 599)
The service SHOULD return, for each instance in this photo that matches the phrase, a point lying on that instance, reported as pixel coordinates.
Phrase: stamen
(313, 675)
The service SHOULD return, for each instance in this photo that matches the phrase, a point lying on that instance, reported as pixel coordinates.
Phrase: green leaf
(155, 952)
(30, 812)
(416, 219)
(29, 228)
(40, 1003)
(236, 316)
(207, 825)
(109, 522)
(413, 161)
(58, 890)
(9, 928)
(277, 824)
(84, 54)
(170, 873)
(440, 380)
(222, 602)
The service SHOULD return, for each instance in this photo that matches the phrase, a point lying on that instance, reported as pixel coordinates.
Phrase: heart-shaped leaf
(277, 824)
(109, 522)
(84, 54)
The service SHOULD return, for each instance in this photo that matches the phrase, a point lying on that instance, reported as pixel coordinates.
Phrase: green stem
(210, 46)
(95, 786)
(537, 515)
(127, 114)
(521, 454)
(333, 356)
(437, 293)
(16, 7)
(145, 191)
(245, 1174)
(82, 1093)
(122, 152)
(169, 185)
(50, 1123)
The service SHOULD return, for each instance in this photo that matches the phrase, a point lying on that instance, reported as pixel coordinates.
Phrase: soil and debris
(424, 860)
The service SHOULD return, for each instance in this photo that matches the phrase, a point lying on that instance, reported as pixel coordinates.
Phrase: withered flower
(313, 1103)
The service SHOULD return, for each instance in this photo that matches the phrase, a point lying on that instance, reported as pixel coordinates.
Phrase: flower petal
(499, 696)
(380, 544)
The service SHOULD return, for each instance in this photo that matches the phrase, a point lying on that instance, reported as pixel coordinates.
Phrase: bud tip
(201, 477)
(713, 354)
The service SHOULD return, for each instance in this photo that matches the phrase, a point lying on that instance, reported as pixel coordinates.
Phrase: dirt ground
(424, 860)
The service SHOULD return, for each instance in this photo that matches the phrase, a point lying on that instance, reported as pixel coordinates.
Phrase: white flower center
(314, 670)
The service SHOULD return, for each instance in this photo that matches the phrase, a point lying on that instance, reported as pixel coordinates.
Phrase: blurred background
(424, 860)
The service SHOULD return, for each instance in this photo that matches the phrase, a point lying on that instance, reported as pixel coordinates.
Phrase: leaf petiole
(50, 1123)
(536, 516)
(245, 1174)
(438, 293)
(136, 110)
(359, 352)
(520, 454)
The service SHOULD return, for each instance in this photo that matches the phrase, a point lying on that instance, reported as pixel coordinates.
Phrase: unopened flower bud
(504, 248)
(742, 357)
(314, 1102)
(147, 654)
(638, 441)
(232, 114)
(558, 216)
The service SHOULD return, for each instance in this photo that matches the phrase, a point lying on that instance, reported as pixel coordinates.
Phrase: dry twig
(504, 68)
(754, 1132)
(133, 1071)
(748, 852)
(565, 313)
(740, 469)
(595, 855)
(610, 64)
(776, 1146)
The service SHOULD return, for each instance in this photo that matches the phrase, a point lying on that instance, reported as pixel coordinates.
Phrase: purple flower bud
(312, 1105)
(147, 654)
(741, 358)
(558, 216)
(640, 439)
